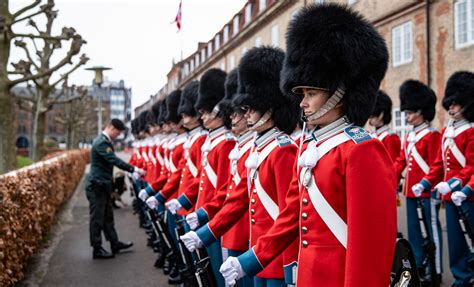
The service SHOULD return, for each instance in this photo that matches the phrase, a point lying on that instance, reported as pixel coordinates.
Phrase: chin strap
(329, 105)
(266, 116)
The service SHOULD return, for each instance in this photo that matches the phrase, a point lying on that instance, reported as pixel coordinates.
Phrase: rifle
(163, 233)
(468, 233)
(186, 264)
(428, 245)
(404, 271)
(204, 274)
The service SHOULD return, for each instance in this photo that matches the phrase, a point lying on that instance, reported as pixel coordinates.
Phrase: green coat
(103, 160)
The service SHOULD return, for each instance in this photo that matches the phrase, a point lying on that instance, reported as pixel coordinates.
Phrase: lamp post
(99, 80)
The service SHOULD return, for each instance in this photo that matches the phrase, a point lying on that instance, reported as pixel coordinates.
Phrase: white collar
(107, 136)
(333, 128)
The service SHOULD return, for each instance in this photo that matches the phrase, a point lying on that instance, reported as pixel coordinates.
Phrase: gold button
(202, 181)
(200, 189)
(304, 243)
(410, 159)
(447, 163)
(252, 211)
(304, 229)
(305, 201)
(228, 194)
(254, 191)
(409, 169)
(253, 200)
(448, 169)
(230, 186)
(253, 221)
(304, 215)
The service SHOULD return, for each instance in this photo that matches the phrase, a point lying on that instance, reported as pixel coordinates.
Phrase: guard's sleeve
(284, 158)
(190, 195)
(465, 173)
(173, 182)
(371, 209)
(208, 210)
(400, 163)
(108, 154)
(393, 145)
(435, 161)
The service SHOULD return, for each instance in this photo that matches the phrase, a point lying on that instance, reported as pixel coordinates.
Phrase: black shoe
(160, 261)
(174, 277)
(101, 253)
(119, 245)
(167, 266)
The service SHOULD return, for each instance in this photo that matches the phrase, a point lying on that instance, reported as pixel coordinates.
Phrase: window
(258, 42)
(196, 60)
(231, 62)
(203, 55)
(192, 65)
(244, 50)
(235, 28)
(217, 41)
(226, 33)
(464, 23)
(248, 13)
(262, 4)
(400, 125)
(350, 2)
(402, 44)
(319, 1)
(222, 66)
(275, 35)
(209, 49)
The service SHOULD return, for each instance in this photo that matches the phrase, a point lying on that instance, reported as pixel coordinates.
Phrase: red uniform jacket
(390, 140)
(274, 177)
(426, 143)
(189, 167)
(165, 171)
(214, 170)
(455, 156)
(356, 180)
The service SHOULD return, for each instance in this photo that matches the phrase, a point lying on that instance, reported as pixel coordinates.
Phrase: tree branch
(66, 100)
(22, 45)
(27, 17)
(26, 8)
(83, 60)
(42, 36)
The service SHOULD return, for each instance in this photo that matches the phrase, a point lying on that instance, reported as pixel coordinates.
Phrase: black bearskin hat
(460, 90)
(143, 121)
(163, 113)
(231, 84)
(414, 96)
(211, 89)
(188, 99)
(259, 79)
(155, 109)
(134, 125)
(383, 104)
(172, 103)
(331, 46)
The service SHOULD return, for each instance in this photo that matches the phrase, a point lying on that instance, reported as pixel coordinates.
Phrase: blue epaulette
(357, 134)
(283, 140)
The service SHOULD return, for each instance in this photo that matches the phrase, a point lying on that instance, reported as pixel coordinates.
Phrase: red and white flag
(177, 19)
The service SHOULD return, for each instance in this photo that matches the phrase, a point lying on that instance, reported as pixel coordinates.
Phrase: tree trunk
(7, 115)
(39, 149)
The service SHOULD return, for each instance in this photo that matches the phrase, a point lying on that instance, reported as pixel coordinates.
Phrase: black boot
(119, 245)
(174, 277)
(167, 266)
(100, 253)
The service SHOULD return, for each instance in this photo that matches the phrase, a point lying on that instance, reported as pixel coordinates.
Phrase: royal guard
(340, 204)
(263, 186)
(453, 168)
(380, 120)
(419, 151)
(214, 159)
(135, 155)
(236, 240)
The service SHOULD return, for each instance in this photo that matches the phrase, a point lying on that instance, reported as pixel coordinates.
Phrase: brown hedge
(29, 200)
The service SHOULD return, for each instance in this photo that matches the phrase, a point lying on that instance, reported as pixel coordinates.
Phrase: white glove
(458, 197)
(143, 195)
(173, 206)
(192, 220)
(231, 270)
(152, 202)
(443, 188)
(139, 171)
(418, 189)
(191, 240)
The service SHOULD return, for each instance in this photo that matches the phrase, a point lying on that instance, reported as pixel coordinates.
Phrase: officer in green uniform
(99, 187)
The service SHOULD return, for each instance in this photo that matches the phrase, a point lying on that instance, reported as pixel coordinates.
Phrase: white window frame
(262, 5)
(400, 124)
(248, 13)
(350, 2)
(231, 62)
(258, 41)
(235, 26)
(226, 34)
(203, 55)
(244, 50)
(402, 43)
(196, 59)
(275, 35)
(191, 65)
(318, 1)
(209, 49)
(469, 24)
(217, 42)
(222, 66)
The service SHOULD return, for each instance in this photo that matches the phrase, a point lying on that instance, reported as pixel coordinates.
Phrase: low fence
(29, 200)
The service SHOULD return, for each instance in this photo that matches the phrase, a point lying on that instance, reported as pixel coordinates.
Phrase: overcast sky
(135, 37)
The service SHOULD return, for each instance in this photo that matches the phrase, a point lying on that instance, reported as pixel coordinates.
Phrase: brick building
(428, 40)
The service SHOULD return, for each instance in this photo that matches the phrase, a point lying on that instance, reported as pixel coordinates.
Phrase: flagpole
(181, 30)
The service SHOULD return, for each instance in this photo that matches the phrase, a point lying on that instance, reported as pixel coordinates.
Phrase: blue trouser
(215, 253)
(265, 282)
(414, 230)
(247, 281)
(459, 252)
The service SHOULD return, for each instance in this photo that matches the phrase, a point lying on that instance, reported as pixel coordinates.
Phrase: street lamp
(99, 80)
